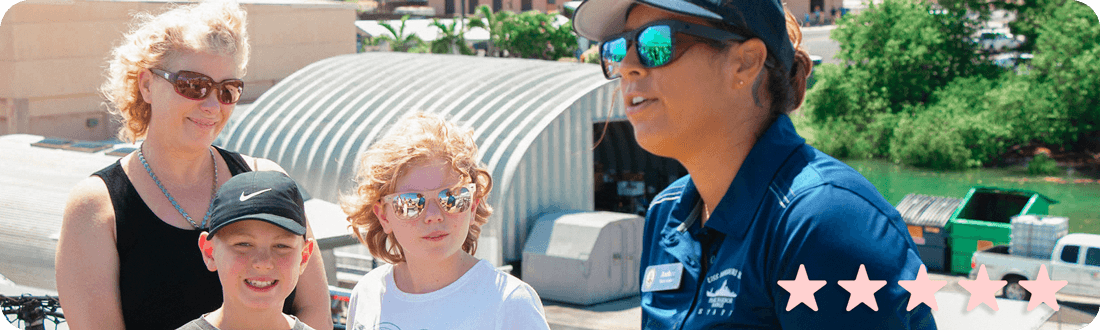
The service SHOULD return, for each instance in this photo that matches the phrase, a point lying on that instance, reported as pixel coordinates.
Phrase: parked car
(1012, 60)
(997, 41)
(1075, 258)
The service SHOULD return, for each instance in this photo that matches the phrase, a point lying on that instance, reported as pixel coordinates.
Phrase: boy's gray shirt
(201, 324)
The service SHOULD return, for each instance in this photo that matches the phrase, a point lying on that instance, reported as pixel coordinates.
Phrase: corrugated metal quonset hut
(533, 121)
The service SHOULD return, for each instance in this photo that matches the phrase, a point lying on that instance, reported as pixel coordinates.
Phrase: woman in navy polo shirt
(710, 83)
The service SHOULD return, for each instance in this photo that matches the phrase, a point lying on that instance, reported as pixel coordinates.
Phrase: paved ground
(619, 314)
(816, 41)
(626, 313)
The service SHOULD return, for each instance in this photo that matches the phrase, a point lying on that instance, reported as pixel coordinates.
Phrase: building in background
(801, 8)
(536, 124)
(53, 56)
(394, 9)
(454, 7)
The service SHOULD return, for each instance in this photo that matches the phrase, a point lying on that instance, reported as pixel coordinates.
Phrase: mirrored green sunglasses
(655, 44)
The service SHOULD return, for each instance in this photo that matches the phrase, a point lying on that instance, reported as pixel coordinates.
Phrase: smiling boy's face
(258, 263)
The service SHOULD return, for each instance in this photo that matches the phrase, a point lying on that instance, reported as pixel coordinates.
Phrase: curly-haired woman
(126, 257)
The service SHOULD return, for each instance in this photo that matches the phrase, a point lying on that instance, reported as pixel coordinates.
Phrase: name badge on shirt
(662, 277)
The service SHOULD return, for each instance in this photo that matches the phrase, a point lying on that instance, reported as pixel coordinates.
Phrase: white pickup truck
(1076, 259)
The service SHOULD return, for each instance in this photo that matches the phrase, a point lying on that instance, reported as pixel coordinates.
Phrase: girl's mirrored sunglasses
(197, 86)
(655, 44)
(410, 205)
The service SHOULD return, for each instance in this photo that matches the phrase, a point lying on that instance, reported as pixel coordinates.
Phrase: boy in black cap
(259, 250)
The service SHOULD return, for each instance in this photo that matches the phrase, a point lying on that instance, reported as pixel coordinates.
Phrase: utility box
(926, 217)
(584, 257)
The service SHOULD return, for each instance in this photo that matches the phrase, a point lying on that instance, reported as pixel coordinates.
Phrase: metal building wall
(532, 120)
(608, 104)
(554, 175)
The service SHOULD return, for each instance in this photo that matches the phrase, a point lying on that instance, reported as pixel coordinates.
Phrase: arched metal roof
(532, 121)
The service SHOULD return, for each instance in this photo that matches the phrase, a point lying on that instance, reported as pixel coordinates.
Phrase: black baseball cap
(259, 195)
(765, 19)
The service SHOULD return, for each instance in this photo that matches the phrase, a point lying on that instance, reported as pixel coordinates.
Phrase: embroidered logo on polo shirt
(719, 295)
(722, 292)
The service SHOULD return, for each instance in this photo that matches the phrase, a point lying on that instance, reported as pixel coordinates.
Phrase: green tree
(1029, 17)
(491, 22)
(956, 130)
(450, 40)
(1066, 76)
(399, 41)
(914, 89)
(903, 52)
(532, 34)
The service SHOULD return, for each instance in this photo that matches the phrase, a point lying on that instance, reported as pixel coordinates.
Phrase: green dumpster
(984, 220)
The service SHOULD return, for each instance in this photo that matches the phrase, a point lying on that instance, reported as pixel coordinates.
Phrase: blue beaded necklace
(213, 191)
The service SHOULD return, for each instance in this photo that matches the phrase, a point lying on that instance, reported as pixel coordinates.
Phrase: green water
(1078, 201)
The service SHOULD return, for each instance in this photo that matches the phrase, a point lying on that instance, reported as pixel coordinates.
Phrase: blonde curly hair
(213, 27)
(414, 140)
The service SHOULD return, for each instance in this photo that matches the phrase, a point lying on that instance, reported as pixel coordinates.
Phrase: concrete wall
(53, 55)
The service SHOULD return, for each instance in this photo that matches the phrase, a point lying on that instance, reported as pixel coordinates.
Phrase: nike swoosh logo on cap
(247, 197)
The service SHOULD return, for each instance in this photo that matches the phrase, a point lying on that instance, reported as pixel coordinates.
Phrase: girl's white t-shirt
(483, 298)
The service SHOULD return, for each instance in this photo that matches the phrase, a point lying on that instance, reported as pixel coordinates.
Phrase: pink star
(862, 290)
(1042, 289)
(802, 290)
(982, 290)
(922, 290)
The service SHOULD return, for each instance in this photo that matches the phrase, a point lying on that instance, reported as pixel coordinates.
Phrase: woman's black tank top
(163, 281)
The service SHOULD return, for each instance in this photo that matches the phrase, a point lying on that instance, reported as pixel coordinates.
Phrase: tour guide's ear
(745, 62)
(207, 249)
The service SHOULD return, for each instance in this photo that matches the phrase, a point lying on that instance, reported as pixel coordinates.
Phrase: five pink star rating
(982, 290)
(1042, 289)
(922, 290)
(802, 290)
(862, 290)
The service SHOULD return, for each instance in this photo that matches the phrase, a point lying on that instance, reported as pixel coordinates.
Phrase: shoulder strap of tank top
(236, 163)
(122, 192)
(113, 177)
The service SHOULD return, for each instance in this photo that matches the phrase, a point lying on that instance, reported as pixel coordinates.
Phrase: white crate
(1034, 235)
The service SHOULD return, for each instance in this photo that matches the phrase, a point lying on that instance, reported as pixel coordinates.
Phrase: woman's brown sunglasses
(197, 86)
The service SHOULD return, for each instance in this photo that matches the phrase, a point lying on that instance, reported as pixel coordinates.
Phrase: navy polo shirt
(789, 204)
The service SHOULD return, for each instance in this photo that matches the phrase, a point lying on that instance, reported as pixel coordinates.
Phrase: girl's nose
(432, 212)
